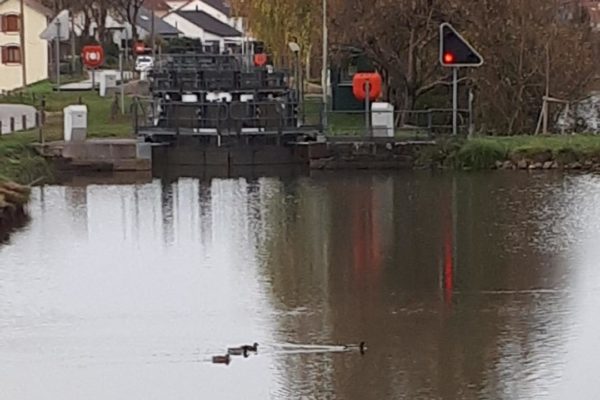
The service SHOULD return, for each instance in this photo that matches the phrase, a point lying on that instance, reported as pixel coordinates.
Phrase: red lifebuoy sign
(139, 48)
(359, 86)
(260, 59)
(92, 56)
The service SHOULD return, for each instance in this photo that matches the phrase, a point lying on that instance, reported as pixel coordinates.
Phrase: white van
(143, 63)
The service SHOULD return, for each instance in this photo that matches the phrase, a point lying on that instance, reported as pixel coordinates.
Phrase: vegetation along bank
(13, 199)
(573, 152)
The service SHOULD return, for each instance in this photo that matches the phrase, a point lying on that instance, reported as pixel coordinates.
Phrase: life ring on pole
(260, 59)
(359, 85)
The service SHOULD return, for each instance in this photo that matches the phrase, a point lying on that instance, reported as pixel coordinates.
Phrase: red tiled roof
(593, 7)
(156, 5)
(36, 5)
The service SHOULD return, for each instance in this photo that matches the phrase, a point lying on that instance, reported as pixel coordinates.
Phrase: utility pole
(325, 69)
(73, 60)
(122, 86)
(57, 55)
(153, 37)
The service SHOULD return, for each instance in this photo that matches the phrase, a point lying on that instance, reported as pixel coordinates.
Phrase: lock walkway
(87, 83)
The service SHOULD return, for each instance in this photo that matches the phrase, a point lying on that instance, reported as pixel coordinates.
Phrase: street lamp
(295, 48)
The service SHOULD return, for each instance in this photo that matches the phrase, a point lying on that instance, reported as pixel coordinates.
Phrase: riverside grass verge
(515, 152)
(18, 160)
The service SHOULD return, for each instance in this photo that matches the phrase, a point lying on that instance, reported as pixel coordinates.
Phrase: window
(11, 23)
(11, 54)
(349, 70)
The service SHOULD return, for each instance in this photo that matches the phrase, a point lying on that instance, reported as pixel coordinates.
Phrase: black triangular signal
(455, 51)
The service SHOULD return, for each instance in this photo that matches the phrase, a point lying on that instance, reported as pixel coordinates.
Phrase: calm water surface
(480, 286)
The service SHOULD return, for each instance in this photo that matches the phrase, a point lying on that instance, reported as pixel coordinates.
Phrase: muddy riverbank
(13, 201)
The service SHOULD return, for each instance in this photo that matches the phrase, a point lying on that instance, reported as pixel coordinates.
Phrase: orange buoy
(359, 85)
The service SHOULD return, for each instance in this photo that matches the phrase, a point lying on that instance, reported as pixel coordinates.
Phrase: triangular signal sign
(455, 51)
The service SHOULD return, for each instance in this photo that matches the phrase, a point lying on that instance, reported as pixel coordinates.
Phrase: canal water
(475, 286)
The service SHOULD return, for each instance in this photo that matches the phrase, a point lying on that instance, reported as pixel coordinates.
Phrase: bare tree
(530, 46)
(129, 11)
(526, 43)
(400, 37)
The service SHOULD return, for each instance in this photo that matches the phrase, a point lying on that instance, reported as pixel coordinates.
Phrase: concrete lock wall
(220, 156)
(337, 155)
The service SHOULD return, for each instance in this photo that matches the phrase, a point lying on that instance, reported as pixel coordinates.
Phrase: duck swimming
(362, 347)
(226, 359)
(243, 350)
(237, 351)
(253, 348)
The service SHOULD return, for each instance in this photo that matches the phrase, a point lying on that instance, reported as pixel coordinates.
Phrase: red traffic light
(455, 51)
(449, 58)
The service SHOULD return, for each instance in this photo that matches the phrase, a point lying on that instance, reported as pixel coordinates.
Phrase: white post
(325, 69)
(122, 87)
(367, 109)
(455, 101)
(471, 120)
(58, 55)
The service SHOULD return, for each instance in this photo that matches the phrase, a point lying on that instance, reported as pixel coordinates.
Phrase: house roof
(156, 5)
(209, 23)
(221, 5)
(144, 21)
(39, 7)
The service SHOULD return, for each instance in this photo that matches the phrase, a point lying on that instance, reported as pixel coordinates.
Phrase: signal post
(455, 53)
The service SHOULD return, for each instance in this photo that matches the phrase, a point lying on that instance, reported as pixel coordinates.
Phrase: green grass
(484, 152)
(587, 144)
(100, 120)
(349, 123)
(479, 154)
(19, 162)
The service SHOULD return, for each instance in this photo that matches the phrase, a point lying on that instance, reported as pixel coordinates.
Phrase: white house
(144, 27)
(200, 25)
(207, 20)
(218, 9)
(23, 62)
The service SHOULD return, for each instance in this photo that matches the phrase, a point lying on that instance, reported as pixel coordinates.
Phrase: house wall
(34, 49)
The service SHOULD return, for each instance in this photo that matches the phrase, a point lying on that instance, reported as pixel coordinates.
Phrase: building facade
(23, 62)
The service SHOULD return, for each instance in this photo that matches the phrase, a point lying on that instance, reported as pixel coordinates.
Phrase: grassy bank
(522, 152)
(17, 159)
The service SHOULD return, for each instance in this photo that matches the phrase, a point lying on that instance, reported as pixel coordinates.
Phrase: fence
(237, 117)
(18, 112)
(406, 123)
(177, 117)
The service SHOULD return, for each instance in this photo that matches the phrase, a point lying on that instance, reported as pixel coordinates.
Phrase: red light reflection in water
(366, 234)
(448, 266)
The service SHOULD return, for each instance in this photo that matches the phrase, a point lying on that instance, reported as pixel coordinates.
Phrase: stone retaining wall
(376, 155)
(524, 164)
